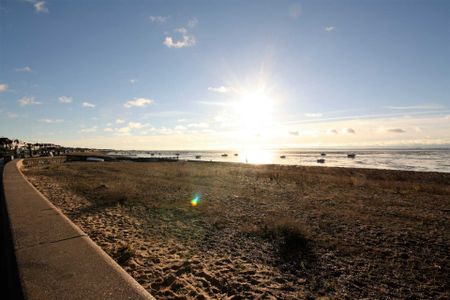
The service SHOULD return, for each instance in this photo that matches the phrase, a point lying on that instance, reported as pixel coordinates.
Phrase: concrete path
(55, 259)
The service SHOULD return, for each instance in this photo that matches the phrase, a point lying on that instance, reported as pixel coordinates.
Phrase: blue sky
(226, 74)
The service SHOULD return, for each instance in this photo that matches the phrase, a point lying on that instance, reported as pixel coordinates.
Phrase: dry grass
(320, 231)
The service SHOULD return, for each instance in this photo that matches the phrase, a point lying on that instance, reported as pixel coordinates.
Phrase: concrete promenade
(55, 259)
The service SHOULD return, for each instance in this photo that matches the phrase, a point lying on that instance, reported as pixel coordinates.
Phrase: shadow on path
(10, 282)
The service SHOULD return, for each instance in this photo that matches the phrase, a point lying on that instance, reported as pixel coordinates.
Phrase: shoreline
(347, 219)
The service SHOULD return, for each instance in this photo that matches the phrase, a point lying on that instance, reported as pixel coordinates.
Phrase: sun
(254, 110)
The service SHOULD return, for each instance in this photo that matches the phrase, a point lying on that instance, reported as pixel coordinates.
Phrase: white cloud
(25, 101)
(51, 121)
(40, 7)
(329, 28)
(88, 105)
(158, 19)
(294, 133)
(133, 81)
(120, 121)
(24, 69)
(132, 126)
(3, 87)
(65, 99)
(180, 127)
(221, 89)
(108, 129)
(12, 115)
(136, 125)
(313, 115)
(198, 125)
(138, 102)
(186, 41)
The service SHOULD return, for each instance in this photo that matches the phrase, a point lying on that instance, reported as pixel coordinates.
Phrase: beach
(234, 231)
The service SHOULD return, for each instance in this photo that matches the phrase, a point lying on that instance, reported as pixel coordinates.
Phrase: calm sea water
(410, 160)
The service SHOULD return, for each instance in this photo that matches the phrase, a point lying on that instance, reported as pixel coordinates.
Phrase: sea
(430, 160)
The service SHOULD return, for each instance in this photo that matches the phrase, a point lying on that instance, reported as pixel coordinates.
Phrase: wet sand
(265, 232)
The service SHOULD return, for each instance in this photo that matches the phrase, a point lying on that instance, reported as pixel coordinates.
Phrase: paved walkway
(55, 259)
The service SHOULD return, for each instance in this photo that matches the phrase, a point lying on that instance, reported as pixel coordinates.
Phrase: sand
(261, 231)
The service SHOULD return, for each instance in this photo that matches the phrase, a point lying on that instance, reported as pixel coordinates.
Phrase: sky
(226, 74)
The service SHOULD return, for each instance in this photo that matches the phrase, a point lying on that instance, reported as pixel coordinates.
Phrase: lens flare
(196, 200)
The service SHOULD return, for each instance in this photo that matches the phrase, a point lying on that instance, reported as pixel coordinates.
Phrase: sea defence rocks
(55, 259)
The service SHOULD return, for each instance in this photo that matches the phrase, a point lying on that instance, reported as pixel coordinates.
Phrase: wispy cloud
(65, 99)
(3, 87)
(192, 22)
(133, 81)
(12, 115)
(138, 102)
(25, 101)
(331, 131)
(294, 133)
(158, 19)
(214, 103)
(51, 121)
(416, 107)
(24, 69)
(329, 28)
(120, 121)
(313, 115)
(198, 125)
(88, 105)
(89, 129)
(396, 130)
(348, 131)
(221, 89)
(295, 10)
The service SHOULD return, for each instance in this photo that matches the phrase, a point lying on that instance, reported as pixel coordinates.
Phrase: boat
(236, 154)
(224, 155)
(283, 156)
(198, 156)
(321, 161)
(351, 155)
(323, 154)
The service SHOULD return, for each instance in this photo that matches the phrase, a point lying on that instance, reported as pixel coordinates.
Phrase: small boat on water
(224, 155)
(323, 154)
(236, 154)
(321, 161)
(283, 156)
(198, 156)
(351, 155)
